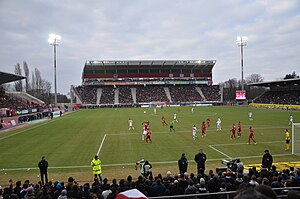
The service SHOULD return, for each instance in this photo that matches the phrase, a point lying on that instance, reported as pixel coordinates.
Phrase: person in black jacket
(200, 158)
(43, 166)
(182, 164)
(267, 160)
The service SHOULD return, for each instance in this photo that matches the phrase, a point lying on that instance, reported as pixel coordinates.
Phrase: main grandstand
(146, 82)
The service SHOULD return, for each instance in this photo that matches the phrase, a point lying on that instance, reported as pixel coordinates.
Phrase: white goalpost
(295, 138)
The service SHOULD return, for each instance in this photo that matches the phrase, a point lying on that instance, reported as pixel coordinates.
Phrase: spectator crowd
(280, 97)
(88, 95)
(254, 182)
(149, 93)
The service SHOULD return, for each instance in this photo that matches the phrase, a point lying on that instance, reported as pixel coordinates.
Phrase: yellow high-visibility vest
(96, 166)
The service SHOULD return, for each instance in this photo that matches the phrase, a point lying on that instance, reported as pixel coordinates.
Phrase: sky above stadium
(151, 30)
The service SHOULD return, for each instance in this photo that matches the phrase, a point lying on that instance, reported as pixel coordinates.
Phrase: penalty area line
(240, 143)
(219, 151)
(100, 147)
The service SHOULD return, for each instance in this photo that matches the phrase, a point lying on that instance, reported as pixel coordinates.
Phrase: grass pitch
(70, 142)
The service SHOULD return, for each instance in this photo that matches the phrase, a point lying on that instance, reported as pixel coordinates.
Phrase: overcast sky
(151, 29)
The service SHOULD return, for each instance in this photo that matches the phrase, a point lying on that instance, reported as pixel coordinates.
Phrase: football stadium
(144, 119)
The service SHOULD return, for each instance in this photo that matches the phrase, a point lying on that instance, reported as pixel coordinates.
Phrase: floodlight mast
(242, 41)
(54, 40)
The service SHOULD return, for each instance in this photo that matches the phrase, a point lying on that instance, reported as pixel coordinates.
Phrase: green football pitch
(70, 142)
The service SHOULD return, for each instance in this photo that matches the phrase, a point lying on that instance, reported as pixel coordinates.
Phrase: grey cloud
(150, 29)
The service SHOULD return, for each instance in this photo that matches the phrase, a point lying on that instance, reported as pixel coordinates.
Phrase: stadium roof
(112, 69)
(285, 82)
(8, 77)
(208, 64)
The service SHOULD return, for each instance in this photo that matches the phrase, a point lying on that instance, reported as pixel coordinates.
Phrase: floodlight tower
(242, 41)
(54, 40)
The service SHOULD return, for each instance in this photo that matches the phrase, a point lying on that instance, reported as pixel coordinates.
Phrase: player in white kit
(219, 124)
(194, 131)
(175, 117)
(291, 120)
(130, 122)
(250, 116)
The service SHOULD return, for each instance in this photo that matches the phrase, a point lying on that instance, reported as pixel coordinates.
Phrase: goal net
(296, 139)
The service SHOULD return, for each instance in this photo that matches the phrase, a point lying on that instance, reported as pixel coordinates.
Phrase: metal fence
(281, 193)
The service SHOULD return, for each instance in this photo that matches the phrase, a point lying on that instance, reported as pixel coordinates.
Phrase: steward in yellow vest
(97, 171)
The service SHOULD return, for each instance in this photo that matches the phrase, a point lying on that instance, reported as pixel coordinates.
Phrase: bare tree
(26, 72)
(32, 81)
(254, 78)
(254, 91)
(46, 90)
(38, 81)
(230, 86)
(18, 84)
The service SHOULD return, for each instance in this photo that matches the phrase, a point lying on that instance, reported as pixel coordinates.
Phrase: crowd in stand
(151, 94)
(9, 102)
(108, 95)
(15, 105)
(165, 185)
(184, 93)
(125, 96)
(145, 94)
(280, 97)
(87, 94)
(211, 93)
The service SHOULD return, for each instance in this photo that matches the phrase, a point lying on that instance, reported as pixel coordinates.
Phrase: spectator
(200, 159)
(43, 166)
(253, 181)
(30, 193)
(158, 189)
(191, 189)
(63, 194)
(182, 164)
(267, 160)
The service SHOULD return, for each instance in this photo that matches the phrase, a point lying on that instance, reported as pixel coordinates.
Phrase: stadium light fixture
(241, 42)
(54, 40)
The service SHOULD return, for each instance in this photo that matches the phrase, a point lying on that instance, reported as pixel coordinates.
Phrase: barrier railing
(224, 195)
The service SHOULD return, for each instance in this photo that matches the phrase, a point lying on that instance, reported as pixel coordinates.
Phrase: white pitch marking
(11, 135)
(245, 143)
(130, 164)
(219, 151)
(101, 144)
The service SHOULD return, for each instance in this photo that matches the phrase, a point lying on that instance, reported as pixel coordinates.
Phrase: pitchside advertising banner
(240, 95)
(166, 82)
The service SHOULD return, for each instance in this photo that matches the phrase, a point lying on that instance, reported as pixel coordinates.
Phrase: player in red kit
(208, 121)
(148, 137)
(145, 127)
(239, 133)
(233, 129)
(163, 121)
(251, 135)
(203, 128)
